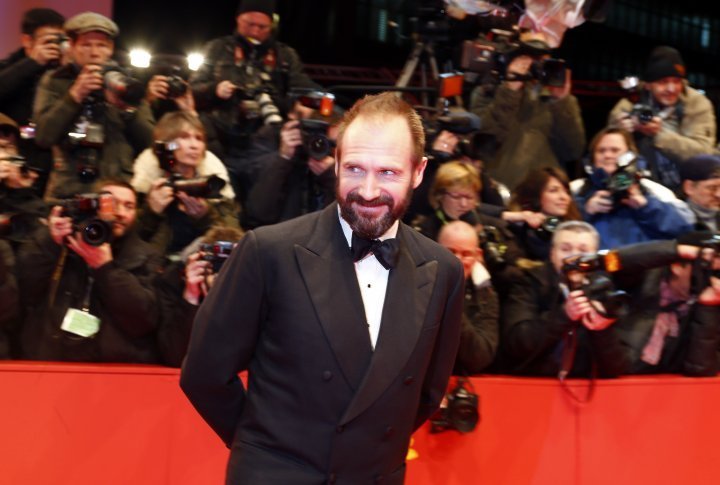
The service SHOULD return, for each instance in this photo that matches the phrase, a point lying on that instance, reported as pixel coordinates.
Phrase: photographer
(541, 310)
(622, 205)
(172, 217)
(21, 209)
(184, 285)
(297, 177)
(671, 121)
(701, 185)
(90, 112)
(479, 334)
(41, 38)
(531, 131)
(673, 321)
(245, 77)
(541, 201)
(85, 282)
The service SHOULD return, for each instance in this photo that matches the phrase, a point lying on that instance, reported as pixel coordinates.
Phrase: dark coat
(19, 75)
(9, 298)
(122, 297)
(321, 405)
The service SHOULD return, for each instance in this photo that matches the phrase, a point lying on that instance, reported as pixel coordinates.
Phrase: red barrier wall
(119, 424)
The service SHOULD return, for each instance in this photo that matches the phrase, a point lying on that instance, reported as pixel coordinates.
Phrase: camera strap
(570, 342)
(55, 278)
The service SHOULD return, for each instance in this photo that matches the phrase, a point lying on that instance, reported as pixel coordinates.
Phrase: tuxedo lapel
(329, 275)
(410, 286)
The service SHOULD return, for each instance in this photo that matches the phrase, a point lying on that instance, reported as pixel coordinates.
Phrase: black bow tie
(386, 251)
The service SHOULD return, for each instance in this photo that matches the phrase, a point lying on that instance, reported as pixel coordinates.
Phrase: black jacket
(122, 297)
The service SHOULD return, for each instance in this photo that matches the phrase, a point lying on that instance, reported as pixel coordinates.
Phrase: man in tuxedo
(347, 352)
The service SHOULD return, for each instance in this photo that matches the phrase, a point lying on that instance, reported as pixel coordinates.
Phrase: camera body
(494, 247)
(627, 174)
(207, 187)
(546, 230)
(644, 112)
(129, 90)
(588, 272)
(217, 253)
(92, 215)
(315, 141)
(177, 86)
(462, 410)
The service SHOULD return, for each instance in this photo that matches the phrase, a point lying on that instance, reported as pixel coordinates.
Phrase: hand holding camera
(160, 196)
(601, 202)
(47, 49)
(290, 139)
(196, 271)
(518, 68)
(195, 207)
(579, 308)
(225, 89)
(89, 80)
(445, 142)
(60, 226)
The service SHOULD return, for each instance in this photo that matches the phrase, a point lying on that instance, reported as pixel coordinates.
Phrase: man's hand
(600, 203)
(564, 91)
(157, 88)
(195, 207)
(59, 226)
(88, 80)
(160, 196)
(196, 272)
(290, 139)
(651, 128)
(445, 142)
(519, 66)
(225, 89)
(46, 50)
(94, 256)
(579, 308)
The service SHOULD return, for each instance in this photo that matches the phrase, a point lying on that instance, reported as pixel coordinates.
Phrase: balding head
(461, 239)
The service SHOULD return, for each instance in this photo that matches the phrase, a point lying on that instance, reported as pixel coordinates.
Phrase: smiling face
(555, 199)
(607, 151)
(375, 174)
(666, 90)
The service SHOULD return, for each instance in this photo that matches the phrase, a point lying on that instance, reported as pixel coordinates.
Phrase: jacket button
(340, 428)
(332, 478)
(388, 432)
(408, 380)
(327, 375)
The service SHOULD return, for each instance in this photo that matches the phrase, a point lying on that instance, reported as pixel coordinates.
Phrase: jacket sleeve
(223, 339)
(530, 329)
(697, 131)
(176, 316)
(498, 114)
(661, 220)
(129, 296)
(446, 346)
(567, 136)
(702, 351)
(53, 112)
(267, 196)
(16, 75)
(479, 335)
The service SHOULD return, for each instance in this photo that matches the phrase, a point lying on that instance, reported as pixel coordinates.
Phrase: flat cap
(700, 167)
(91, 22)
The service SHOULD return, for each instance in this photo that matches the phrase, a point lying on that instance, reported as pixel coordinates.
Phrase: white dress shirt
(373, 279)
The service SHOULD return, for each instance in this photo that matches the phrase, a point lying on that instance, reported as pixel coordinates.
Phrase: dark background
(335, 35)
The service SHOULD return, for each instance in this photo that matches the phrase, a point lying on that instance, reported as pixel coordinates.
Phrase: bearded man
(347, 321)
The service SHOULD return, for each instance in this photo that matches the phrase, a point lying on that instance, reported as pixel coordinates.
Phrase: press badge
(80, 323)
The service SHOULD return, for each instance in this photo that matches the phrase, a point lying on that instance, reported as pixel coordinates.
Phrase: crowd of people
(120, 201)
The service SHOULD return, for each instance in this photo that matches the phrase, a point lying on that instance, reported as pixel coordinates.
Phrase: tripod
(423, 54)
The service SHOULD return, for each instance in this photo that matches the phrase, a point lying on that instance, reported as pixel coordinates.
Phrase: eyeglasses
(460, 197)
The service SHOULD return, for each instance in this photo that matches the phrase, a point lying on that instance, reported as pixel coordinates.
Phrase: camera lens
(95, 232)
(318, 147)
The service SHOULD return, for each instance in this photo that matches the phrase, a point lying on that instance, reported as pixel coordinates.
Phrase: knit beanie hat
(263, 6)
(664, 62)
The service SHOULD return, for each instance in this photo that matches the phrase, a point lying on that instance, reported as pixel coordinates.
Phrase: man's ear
(26, 40)
(418, 172)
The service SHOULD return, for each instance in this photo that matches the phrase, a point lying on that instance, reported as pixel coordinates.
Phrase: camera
(549, 72)
(494, 247)
(465, 126)
(546, 230)
(62, 41)
(92, 215)
(625, 176)
(176, 86)
(21, 162)
(315, 141)
(207, 187)
(462, 410)
(644, 112)
(703, 265)
(258, 107)
(129, 90)
(587, 272)
(217, 253)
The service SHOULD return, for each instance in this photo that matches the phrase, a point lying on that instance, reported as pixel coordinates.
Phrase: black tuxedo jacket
(321, 406)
